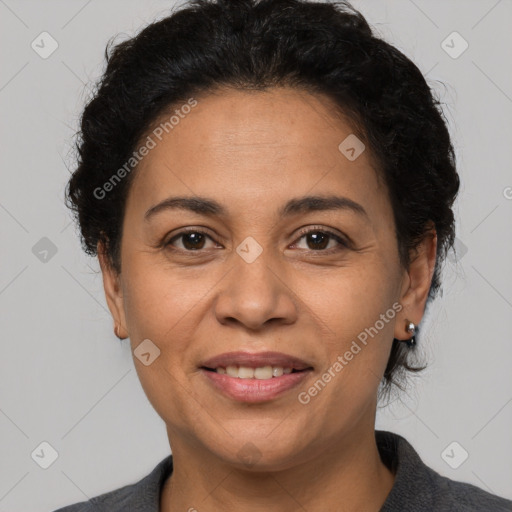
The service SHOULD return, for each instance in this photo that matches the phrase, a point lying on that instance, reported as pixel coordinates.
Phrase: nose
(256, 293)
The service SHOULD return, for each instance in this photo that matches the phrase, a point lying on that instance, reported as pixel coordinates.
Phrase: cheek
(163, 309)
(166, 306)
(352, 298)
(157, 300)
(356, 308)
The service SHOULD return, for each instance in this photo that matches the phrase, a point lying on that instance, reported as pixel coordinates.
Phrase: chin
(259, 451)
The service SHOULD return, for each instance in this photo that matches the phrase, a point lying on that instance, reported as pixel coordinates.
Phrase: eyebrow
(305, 204)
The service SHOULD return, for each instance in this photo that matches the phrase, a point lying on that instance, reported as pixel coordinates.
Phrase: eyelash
(303, 232)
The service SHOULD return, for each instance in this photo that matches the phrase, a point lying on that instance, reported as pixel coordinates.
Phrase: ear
(416, 283)
(113, 290)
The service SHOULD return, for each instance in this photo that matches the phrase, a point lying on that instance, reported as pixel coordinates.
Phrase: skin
(252, 152)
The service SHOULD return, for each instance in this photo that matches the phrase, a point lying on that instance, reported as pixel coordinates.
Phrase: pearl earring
(412, 329)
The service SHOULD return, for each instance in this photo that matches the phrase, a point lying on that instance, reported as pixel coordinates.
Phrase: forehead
(255, 148)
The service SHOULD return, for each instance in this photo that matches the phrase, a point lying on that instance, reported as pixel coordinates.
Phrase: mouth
(255, 361)
(255, 377)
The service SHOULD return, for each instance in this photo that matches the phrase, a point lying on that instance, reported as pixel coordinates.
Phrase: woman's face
(254, 283)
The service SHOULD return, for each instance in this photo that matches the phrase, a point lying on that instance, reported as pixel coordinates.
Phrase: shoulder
(113, 501)
(420, 488)
(141, 496)
(455, 496)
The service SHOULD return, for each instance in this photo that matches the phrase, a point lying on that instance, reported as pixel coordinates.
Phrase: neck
(346, 477)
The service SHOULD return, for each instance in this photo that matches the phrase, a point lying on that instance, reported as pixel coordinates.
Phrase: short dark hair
(323, 47)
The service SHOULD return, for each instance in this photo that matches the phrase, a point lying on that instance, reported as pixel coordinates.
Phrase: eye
(318, 238)
(193, 239)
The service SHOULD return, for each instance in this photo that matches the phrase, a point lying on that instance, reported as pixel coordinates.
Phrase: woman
(269, 190)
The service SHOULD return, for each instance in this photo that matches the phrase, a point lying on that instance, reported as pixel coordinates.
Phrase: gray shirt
(416, 488)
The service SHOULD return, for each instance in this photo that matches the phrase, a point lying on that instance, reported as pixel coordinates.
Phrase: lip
(254, 390)
(255, 360)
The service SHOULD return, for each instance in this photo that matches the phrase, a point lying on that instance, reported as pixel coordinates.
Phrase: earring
(412, 329)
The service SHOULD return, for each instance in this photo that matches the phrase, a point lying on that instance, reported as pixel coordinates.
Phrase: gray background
(67, 380)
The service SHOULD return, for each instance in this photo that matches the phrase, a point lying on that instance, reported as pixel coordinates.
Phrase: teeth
(232, 371)
(277, 371)
(262, 373)
(245, 373)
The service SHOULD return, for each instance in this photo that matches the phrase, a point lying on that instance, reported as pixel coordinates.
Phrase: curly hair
(323, 47)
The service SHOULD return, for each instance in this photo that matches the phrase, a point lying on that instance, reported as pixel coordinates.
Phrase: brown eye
(318, 240)
(191, 240)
